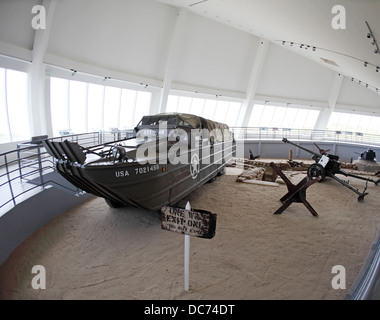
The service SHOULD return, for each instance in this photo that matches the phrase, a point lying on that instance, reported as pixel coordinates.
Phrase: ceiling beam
(254, 78)
(325, 113)
(40, 108)
(171, 61)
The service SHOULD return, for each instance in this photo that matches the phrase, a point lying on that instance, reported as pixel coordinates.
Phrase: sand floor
(96, 252)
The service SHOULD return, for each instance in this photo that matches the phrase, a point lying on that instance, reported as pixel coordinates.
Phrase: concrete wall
(24, 219)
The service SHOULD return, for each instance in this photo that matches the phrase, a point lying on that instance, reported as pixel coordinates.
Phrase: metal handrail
(22, 170)
(269, 133)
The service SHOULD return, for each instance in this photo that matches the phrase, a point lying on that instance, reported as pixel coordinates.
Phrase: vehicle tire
(213, 179)
(316, 170)
(221, 172)
(114, 204)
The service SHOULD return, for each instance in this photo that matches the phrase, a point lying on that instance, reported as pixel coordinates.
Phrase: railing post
(9, 179)
(40, 166)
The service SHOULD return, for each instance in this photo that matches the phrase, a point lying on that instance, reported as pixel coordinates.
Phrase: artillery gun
(327, 165)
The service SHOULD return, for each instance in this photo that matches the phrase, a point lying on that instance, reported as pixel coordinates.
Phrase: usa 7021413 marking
(147, 169)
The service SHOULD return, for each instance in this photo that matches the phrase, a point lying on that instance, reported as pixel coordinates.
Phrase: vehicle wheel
(114, 204)
(316, 170)
(213, 179)
(221, 172)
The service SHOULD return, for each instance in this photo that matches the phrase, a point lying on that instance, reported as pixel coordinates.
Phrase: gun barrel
(303, 148)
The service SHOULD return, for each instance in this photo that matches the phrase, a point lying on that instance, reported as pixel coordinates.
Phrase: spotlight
(301, 46)
(283, 43)
(377, 69)
(314, 48)
(291, 44)
(365, 63)
(369, 35)
(376, 51)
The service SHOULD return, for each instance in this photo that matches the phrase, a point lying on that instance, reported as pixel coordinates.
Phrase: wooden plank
(261, 182)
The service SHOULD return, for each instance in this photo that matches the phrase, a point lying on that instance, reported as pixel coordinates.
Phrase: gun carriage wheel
(316, 170)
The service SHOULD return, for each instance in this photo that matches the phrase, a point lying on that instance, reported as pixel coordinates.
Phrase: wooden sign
(198, 223)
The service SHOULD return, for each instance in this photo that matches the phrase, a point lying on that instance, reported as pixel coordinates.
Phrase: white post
(187, 254)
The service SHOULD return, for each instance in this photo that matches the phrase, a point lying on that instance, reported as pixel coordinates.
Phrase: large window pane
(172, 104)
(197, 106)
(59, 103)
(78, 101)
(221, 111)
(209, 109)
(111, 107)
(311, 119)
(353, 123)
(233, 113)
(85, 107)
(371, 125)
(17, 101)
(127, 109)
(4, 128)
(184, 104)
(95, 107)
(301, 118)
(257, 112)
(267, 116)
(278, 117)
(142, 105)
(282, 117)
(334, 120)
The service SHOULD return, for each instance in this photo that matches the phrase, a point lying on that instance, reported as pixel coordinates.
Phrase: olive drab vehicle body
(170, 155)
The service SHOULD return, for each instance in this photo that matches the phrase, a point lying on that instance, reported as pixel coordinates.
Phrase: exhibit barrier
(25, 170)
(264, 133)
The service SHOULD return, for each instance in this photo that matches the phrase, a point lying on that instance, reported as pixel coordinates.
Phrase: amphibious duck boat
(170, 155)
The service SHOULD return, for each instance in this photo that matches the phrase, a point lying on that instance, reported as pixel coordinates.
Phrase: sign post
(198, 223)
(187, 254)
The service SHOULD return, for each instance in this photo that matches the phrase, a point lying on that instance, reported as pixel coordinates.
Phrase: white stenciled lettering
(120, 174)
(147, 169)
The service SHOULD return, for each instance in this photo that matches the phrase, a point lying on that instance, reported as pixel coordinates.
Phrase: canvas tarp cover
(218, 131)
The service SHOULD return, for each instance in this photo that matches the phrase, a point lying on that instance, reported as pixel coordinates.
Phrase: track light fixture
(301, 45)
(366, 85)
(73, 72)
(365, 63)
(369, 36)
